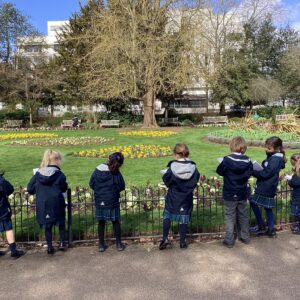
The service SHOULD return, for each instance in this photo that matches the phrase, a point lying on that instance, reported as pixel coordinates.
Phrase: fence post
(69, 199)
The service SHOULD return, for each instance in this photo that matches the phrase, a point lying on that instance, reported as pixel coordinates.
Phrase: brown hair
(51, 157)
(115, 161)
(295, 161)
(238, 144)
(276, 143)
(182, 150)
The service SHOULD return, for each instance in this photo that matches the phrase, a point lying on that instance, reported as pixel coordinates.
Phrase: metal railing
(141, 213)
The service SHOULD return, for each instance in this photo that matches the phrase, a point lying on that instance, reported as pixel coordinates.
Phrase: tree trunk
(222, 109)
(149, 110)
(52, 111)
(30, 116)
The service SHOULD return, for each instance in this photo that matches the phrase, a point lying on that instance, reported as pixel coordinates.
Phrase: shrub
(15, 115)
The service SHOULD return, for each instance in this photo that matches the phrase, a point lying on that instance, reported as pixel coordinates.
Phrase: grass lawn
(18, 161)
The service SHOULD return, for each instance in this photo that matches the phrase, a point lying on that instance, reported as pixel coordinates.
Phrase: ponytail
(115, 161)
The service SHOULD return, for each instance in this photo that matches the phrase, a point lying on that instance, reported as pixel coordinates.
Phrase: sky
(41, 11)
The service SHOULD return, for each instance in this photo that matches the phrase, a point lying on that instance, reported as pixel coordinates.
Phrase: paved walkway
(266, 269)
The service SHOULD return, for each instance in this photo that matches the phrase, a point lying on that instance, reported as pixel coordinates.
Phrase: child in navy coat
(107, 183)
(49, 184)
(294, 183)
(6, 226)
(236, 169)
(181, 178)
(266, 185)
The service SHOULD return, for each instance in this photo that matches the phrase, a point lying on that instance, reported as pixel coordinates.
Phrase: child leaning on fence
(236, 169)
(6, 226)
(181, 178)
(266, 186)
(294, 183)
(49, 184)
(107, 183)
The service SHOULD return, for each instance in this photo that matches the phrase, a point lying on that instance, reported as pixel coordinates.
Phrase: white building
(47, 45)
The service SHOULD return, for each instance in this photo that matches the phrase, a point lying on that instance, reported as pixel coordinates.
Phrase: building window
(33, 48)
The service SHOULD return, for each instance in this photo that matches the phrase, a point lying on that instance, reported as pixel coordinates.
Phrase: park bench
(217, 120)
(13, 123)
(285, 117)
(110, 123)
(69, 124)
(168, 121)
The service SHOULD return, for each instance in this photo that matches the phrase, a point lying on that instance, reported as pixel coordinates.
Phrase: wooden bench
(285, 117)
(217, 120)
(168, 121)
(110, 123)
(13, 123)
(69, 124)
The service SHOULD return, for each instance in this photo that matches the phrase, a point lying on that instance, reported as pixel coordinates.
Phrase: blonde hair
(295, 161)
(238, 144)
(51, 157)
(181, 150)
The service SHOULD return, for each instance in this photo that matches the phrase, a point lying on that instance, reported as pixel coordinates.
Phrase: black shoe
(62, 247)
(120, 247)
(2, 253)
(163, 244)
(183, 245)
(271, 233)
(228, 245)
(102, 248)
(245, 241)
(17, 254)
(258, 229)
(50, 250)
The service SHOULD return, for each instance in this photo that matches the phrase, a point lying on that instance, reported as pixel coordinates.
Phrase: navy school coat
(268, 178)
(49, 184)
(6, 189)
(294, 183)
(181, 179)
(236, 170)
(107, 187)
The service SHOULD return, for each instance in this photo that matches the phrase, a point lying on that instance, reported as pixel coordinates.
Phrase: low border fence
(141, 213)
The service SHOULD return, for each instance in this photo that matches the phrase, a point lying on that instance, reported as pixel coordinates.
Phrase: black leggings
(166, 229)
(117, 231)
(48, 234)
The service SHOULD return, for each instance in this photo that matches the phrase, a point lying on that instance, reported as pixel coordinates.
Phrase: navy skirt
(295, 208)
(6, 225)
(265, 202)
(181, 219)
(108, 214)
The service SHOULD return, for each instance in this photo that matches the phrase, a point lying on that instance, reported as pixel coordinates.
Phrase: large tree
(132, 54)
(13, 25)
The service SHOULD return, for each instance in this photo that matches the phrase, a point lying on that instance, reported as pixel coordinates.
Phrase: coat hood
(103, 173)
(238, 164)
(47, 175)
(183, 169)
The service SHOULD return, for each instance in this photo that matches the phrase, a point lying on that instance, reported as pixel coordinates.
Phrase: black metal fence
(141, 213)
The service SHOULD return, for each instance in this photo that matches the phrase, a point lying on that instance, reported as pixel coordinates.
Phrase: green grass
(18, 161)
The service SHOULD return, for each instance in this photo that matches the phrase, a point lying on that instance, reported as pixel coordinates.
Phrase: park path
(265, 269)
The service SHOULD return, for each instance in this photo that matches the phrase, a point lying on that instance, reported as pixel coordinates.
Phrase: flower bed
(63, 141)
(254, 137)
(149, 133)
(13, 136)
(133, 151)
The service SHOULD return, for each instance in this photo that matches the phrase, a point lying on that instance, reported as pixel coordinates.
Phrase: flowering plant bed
(149, 133)
(63, 141)
(12, 136)
(254, 138)
(133, 151)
